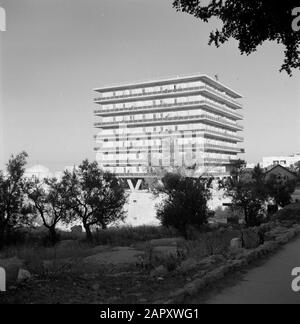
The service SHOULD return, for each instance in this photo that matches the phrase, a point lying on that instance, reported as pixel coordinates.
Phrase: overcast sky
(55, 52)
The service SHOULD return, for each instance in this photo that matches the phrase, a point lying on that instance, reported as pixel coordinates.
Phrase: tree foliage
(185, 201)
(247, 193)
(250, 22)
(14, 212)
(51, 201)
(280, 190)
(251, 191)
(97, 197)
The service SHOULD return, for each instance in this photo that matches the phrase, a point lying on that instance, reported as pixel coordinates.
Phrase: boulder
(235, 244)
(11, 266)
(23, 275)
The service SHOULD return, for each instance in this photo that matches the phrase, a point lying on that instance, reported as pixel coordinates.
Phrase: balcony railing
(224, 134)
(193, 104)
(125, 163)
(219, 121)
(159, 135)
(160, 174)
(163, 93)
(158, 148)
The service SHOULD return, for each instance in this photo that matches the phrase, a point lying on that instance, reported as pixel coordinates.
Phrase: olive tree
(51, 201)
(97, 198)
(184, 201)
(14, 211)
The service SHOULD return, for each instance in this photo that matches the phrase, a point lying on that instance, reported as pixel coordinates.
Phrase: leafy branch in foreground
(250, 22)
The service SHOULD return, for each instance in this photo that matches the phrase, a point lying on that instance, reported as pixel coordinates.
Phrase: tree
(185, 201)
(238, 169)
(296, 168)
(51, 201)
(250, 22)
(97, 197)
(14, 212)
(248, 194)
(280, 190)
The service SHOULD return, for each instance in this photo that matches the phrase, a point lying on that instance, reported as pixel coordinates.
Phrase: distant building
(41, 172)
(286, 161)
(38, 171)
(280, 172)
(179, 122)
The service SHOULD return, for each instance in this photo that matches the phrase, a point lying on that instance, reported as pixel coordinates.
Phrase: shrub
(289, 213)
(185, 202)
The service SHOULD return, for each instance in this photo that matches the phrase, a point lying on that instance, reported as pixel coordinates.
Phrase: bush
(288, 213)
(185, 202)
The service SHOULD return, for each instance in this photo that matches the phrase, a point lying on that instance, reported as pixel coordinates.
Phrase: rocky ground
(162, 270)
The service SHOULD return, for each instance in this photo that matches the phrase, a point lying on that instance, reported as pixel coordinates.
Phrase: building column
(137, 186)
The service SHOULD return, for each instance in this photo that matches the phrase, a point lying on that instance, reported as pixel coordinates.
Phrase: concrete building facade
(190, 122)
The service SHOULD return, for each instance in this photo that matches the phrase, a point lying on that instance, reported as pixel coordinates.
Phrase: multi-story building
(184, 121)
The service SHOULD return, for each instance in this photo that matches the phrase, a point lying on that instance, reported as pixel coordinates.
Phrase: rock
(188, 265)
(173, 241)
(11, 266)
(23, 275)
(236, 244)
(159, 272)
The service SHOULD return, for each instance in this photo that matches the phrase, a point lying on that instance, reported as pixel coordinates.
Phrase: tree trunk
(88, 232)
(52, 235)
(2, 232)
(103, 225)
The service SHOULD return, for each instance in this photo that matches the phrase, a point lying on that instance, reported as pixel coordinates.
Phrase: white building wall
(285, 161)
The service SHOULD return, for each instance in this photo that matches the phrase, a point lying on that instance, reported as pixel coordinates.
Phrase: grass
(210, 243)
(127, 235)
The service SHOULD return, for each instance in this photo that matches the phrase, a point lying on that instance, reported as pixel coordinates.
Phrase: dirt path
(269, 283)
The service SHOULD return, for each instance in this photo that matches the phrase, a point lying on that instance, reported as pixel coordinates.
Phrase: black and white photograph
(149, 155)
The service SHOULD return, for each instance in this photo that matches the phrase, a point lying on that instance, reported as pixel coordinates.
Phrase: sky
(55, 52)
